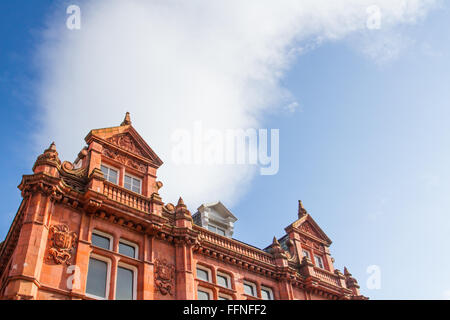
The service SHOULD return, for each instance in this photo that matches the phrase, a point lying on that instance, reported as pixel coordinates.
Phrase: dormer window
(216, 218)
(110, 174)
(132, 183)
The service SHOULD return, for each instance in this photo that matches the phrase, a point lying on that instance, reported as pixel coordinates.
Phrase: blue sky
(367, 151)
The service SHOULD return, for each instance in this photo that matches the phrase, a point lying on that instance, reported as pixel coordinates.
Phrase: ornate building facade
(98, 229)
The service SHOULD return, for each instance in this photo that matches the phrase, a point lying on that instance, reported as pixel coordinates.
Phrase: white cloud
(171, 63)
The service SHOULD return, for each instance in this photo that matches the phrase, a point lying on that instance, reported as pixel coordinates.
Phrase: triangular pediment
(307, 225)
(126, 138)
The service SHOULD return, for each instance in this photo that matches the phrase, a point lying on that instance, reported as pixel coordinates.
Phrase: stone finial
(301, 210)
(180, 203)
(52, 147)
(127, 120)
(275, 242)
(346, 272)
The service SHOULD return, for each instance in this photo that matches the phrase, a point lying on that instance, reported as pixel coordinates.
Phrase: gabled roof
(306, 224)
(218, 207)
(127, 138)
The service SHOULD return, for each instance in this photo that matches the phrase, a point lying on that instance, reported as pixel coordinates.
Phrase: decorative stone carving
(164, 277)
(126, 142)
(116, 155)
(62, 244)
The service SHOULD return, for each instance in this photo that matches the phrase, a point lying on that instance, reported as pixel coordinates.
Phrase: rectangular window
(217, 230)
(125, 284)
(202, 295)
(266, 293)
(110, 174)
(132, 184)
(306, 254)
(319, 261)
(202, 274)
(97, 278)
(225, 297)
(101, 240)
(127, 249)
(249, 289)
(223, 281)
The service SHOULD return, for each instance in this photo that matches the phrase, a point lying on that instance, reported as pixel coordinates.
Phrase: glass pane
(127, 250)
(112, 176)
(96, 279)
(101, 242)
(223, 298)
(136, 189)
(211, 228)
(222, 281)
(127, 186)
(266, 294)
(105, 171)
(202, 295)
(248, 289)
(136, 182)
(319, 261)
(202, 275)
(220, 231)
(305, 253)
(124, 285)
(128, 180)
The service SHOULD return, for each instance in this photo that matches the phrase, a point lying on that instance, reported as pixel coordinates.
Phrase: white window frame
(108, 276)
(131, 244)
(105, 235)
(201, 267)
(209, 291)
(223, 274)
(134, 177)
(217, 227)
(113, 168)
(268, 290)
(135, 273)
(321, 261)
(253, 285)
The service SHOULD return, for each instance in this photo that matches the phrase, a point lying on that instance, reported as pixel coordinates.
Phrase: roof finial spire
(127, 120)
(301, 209)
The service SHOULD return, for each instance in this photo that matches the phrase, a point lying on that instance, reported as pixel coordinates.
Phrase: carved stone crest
(62, 244)
(164, 277)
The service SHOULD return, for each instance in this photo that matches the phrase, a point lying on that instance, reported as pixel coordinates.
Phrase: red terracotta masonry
(98, 229)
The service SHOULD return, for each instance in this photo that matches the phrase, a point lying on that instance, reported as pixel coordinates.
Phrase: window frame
(131, 244)
(132, 176)
(206, 269)
(269, 290)
(216, 227)
(104, 235)
(254, 288)
(321, 265)
(206, 290)
(308, 253)
(223, 295)
(111, 168)
(108, 277)
(135, 274)
(226, 276)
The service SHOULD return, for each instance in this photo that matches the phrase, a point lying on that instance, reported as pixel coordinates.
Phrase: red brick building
(98, 229)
